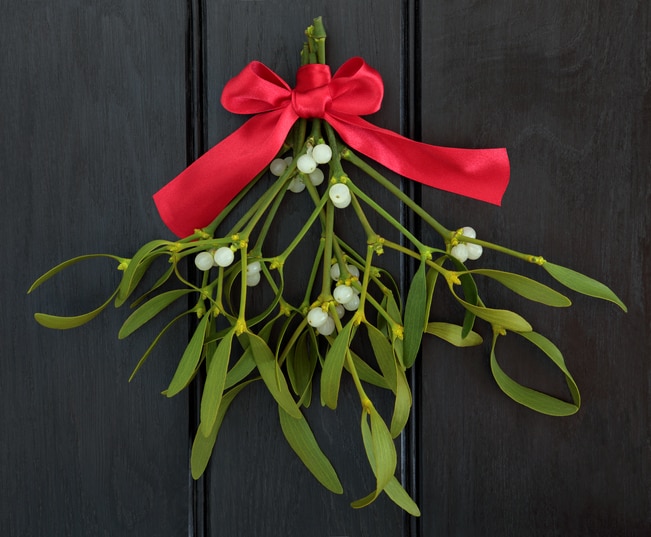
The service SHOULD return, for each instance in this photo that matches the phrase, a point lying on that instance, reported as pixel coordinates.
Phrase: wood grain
(92, 123)
(565, 87)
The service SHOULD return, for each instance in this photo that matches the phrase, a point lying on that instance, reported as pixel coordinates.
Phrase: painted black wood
(93, 121)
(102, 104)
(565, 87)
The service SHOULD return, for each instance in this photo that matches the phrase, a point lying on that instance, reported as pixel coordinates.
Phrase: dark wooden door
(104, 102)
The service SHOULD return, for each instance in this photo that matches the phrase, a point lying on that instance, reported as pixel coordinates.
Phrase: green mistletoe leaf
(333, 366)
(534, 399)
(402, 405)
(61, 266)
(302, 441)
(187, 367)
(383, 351)
(203, 445)
(137, 268)
(380, 451)
(271, 374)
(64, 323)
(149, 310)
(526, 287)
(215, 381)
(414, 316)
(453, 333)
(582, 284)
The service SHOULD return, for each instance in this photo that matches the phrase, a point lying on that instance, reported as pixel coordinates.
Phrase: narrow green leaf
(431, 279)
(506, 319)
(398, 494)
(414, 316)
(163, 278)
(203, 446)
(190, 359)
(582, 284)
(402, 405)
(556, 356)
(302, 441)
(137, 268)
(149, 310)
(333, 366)
(303, 367)
(55, 270)
(383, 354)
(215, 381)
(271, 375)
(452, 333)
(384, 450)
(526, 287)
(380, 451)
(533, 399)
(393, 489)
(64, 323)
(153, 344)
(241, 369)
(366, 373)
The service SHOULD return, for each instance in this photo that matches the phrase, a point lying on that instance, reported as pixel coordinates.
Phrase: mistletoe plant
(349, 301)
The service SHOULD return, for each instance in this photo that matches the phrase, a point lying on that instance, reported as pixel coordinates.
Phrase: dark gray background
(104, 102)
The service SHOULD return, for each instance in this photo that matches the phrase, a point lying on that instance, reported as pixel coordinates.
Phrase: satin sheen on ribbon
(198, 194)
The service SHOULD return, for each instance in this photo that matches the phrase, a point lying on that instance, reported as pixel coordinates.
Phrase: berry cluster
(466, 250)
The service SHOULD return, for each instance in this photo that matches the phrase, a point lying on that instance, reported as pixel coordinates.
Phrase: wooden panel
(565, 87)
(93, 122)
(256, 485)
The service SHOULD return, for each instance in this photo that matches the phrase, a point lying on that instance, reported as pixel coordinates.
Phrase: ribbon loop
(198, 194)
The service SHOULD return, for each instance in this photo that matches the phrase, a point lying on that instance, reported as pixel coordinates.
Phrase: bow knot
(198, 194)
(311, 97)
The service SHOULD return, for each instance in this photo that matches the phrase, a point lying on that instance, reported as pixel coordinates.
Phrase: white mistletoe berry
(316, 177)
(474, 251)
(343, 293)
(253, 268)
(306, 164)
(335, 271)
(316, 317)
(460, 251)
(327, 328)
(203, 261)
(296, 185)
(352, 304)
(469, 232)
(252, 279)
(322, 153)
(278, 166)
(223, 257)
(340, 195)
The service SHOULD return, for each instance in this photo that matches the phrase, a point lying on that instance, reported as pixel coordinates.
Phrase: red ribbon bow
(198, 194)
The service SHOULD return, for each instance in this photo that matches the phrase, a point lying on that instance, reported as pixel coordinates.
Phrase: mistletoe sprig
(349, 303)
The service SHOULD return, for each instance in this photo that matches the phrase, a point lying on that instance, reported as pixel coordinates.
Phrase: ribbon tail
(195, 197)
(482, 174)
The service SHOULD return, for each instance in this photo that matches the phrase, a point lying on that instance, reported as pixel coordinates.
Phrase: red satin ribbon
(198, 194)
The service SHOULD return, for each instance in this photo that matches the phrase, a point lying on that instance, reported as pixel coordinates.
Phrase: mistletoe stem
(349, 156)
(327, 252)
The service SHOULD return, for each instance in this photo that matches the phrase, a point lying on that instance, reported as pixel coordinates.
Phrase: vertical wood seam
(410, 125)
(195, 147)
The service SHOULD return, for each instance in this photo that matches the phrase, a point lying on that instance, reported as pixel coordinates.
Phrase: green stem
(371, 236)
(327, 252)
(348, 155)
(308, 224)
(390, 219)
